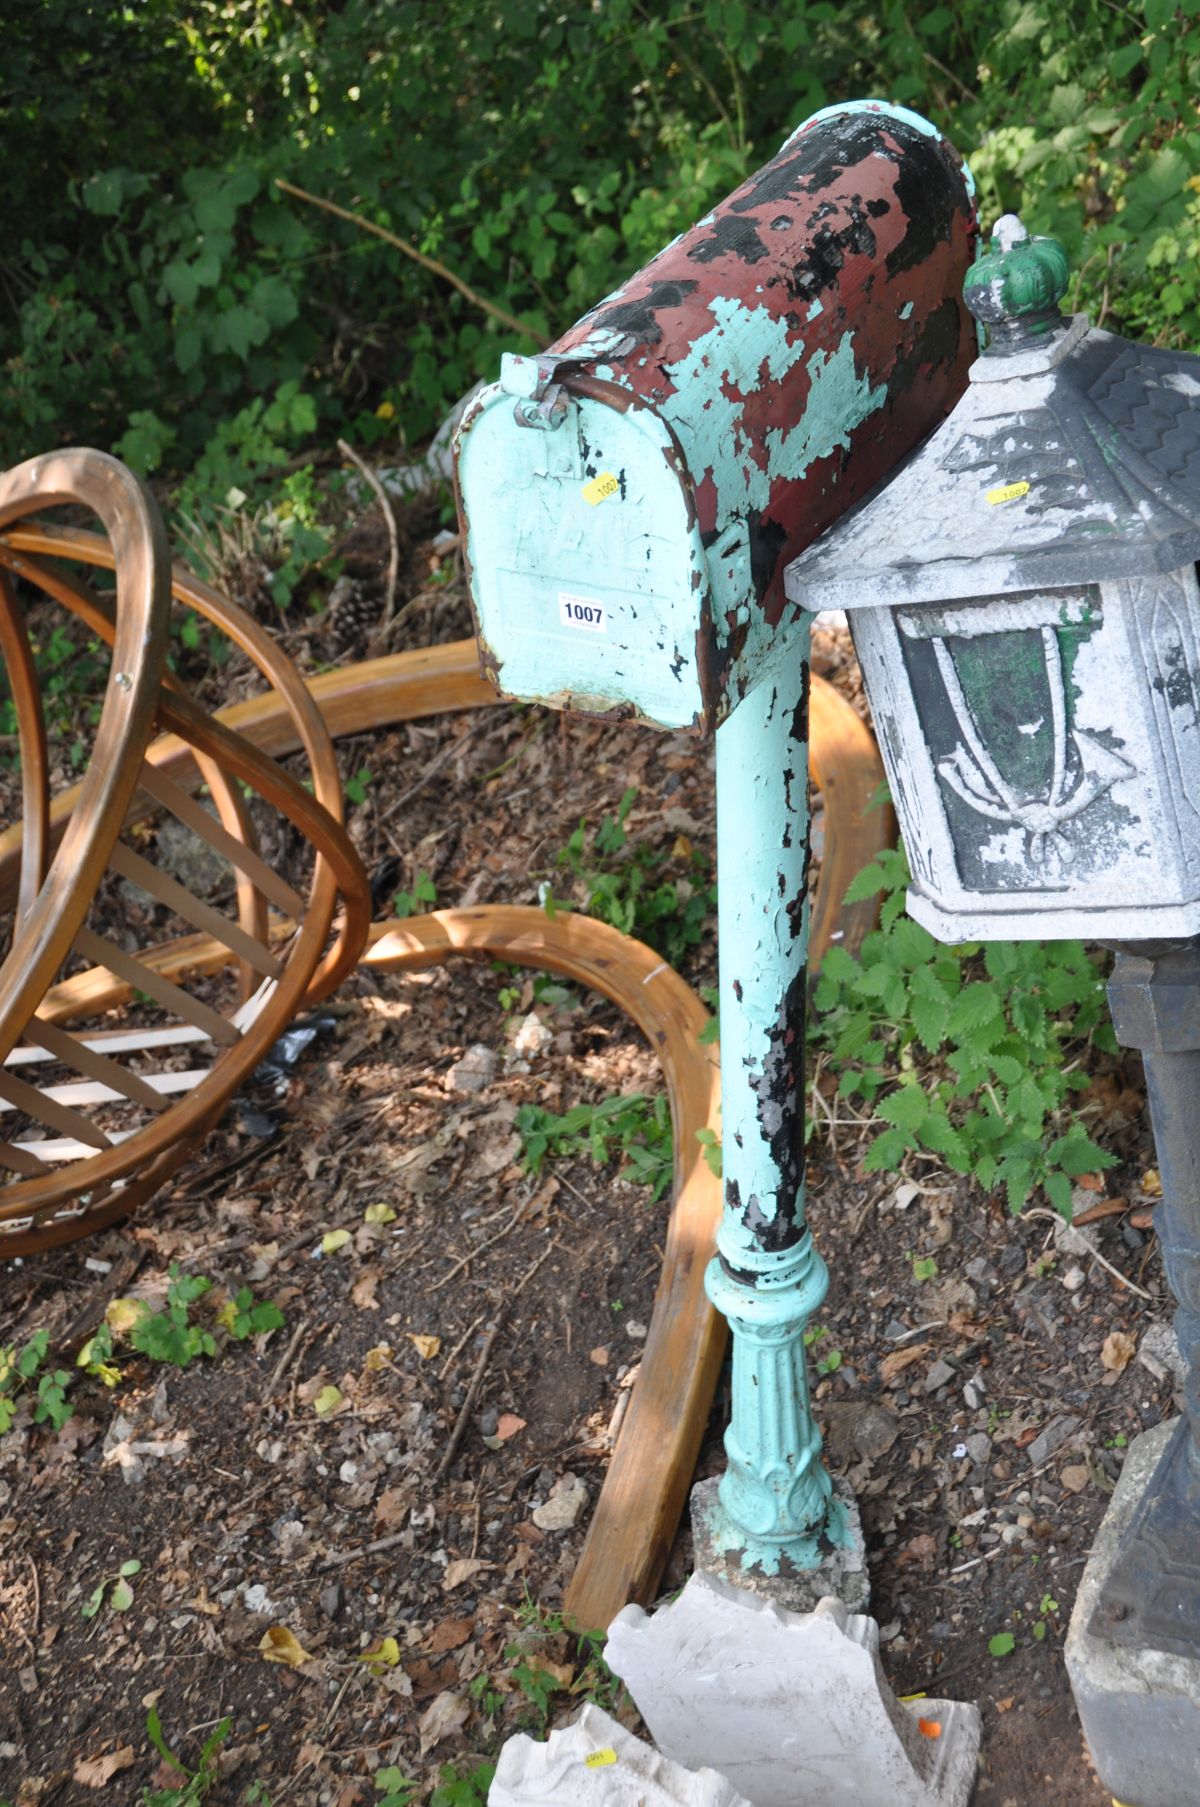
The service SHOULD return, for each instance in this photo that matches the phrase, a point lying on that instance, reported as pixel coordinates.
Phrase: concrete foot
(830, 1568)
(792, 1708)
(1140, 1708)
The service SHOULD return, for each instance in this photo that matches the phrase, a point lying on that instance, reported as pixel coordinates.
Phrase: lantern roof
(1073, 457)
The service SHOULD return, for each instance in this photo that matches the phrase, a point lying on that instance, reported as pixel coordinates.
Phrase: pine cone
(353, 613)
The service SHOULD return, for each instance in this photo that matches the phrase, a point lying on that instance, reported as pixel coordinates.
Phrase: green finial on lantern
(1015, 287)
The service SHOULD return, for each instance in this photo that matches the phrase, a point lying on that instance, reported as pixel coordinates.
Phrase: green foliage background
(155, 285)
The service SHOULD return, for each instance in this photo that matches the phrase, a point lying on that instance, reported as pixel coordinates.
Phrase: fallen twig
(381, 496)
(468, 1404)
(427, 263)
(338, 1557)
(1123, 1279)
(285, 1358)
(467, 1259)
(476, 1381)
(461, 1344)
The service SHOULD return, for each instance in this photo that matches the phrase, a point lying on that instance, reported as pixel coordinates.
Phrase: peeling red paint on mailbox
(862, 225)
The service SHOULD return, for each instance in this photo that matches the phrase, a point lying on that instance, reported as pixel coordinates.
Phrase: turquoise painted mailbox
(629, 500)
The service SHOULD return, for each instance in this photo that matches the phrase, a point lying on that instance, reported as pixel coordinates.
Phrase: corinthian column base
(795, 1573)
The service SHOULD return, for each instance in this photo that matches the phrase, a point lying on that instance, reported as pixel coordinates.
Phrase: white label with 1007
(581, 612)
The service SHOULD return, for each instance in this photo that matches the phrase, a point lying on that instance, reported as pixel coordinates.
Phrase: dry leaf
(363, 1290)
(462, 1569)
(279, 1645)
(122, 1314)
(508, 1425)
(95, 1772)
(328, 1400)
(1152, 1183)
(384, 1655)
(922, 1548)
(333, 1240)
(1075, 1478)
(893, 1365)
(561, 1674)
(449, 1635)
(391, 1508)
(1118, 1351)
(379, 1214)
(425, 1346)
(443, 1717)
(378, 1358)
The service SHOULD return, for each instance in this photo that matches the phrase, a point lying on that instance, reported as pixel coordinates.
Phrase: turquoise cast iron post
(767, 1278)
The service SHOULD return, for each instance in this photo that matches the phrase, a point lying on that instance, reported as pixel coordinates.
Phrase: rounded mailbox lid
(587, 570)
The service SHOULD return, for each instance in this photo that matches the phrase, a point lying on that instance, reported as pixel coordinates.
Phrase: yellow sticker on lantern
(1008, 492)
(600, 1759)
(600, 488)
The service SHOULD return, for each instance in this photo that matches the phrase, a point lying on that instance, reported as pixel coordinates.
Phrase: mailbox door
(586, 567)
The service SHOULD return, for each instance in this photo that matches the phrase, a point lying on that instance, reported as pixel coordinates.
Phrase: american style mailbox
(629, 500)
(1024, 604)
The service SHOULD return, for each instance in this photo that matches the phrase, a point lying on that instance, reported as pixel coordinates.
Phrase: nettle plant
(970, 1054)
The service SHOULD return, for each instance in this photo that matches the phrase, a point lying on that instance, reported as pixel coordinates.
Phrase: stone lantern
(1024, 605)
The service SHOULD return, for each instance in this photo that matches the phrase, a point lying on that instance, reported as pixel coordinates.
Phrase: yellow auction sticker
(600, 1759)
(605, 485)
(1008, 492)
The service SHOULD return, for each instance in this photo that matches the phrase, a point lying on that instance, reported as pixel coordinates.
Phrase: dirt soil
(307, 1484)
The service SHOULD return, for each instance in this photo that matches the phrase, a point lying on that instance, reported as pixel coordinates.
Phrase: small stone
(331, 1599)
(981, 1271)
(532, 1038)
(973, 1394)
(1074, 1278)
(979, 1447)
(940, 1375)
(1056, 1433)
(1159, 1349)
(859, 1429)
(1075, 1478)
(475, 1071)
(637, 1331)
(568, 1497)
(489, 1420)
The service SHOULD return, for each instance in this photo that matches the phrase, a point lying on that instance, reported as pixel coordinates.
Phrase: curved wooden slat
(17, 655)
(135, 530)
